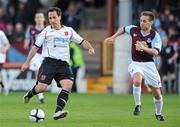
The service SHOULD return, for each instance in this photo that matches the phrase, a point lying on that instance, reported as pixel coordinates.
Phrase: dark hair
(58, 10)
(150, 14)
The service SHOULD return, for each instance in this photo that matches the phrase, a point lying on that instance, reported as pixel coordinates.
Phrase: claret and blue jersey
(152, 40)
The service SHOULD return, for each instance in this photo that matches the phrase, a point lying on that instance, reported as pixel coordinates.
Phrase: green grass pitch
(89, 110)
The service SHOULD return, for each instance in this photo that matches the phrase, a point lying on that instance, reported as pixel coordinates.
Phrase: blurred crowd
(167, 25)
(17, 15)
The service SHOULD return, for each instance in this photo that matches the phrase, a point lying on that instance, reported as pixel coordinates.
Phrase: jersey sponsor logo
(33, 32)
(149, 40)
(134, 35)
(66, 33)
(63, 40)
(43, 77)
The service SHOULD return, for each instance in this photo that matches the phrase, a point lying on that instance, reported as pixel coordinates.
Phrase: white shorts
(2, 58)
(36, 62)
(149, 72)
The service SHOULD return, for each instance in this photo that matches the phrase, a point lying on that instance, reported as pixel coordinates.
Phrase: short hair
(150, 14)
(58, 10)
(39, 12)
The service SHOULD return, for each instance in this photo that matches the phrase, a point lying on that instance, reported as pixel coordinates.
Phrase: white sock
(137, 95)
(40, 96)
(158, 105)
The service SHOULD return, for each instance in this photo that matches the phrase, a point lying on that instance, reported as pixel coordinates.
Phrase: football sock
(158, 105)
(137, 95)
(2, 85)
(62, 100)
(32, 92)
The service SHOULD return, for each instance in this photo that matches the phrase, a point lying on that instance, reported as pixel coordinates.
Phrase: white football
(36, 115)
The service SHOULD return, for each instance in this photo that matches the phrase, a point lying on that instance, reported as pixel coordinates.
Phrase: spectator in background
(72, 17)
(19, 33)
(32, 6)
(178, 65)
(2, 20)
(164, 18)
(172, 34)
(10, 32)
(77, 64)
(11, 14)
(63, 4)
(4, 46)
(20, 14)
(168, 57)
(159, 29)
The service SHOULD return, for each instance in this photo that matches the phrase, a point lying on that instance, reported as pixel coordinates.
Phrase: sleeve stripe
(36, 46)
(81, 42)
(124, 29)
(157, 49)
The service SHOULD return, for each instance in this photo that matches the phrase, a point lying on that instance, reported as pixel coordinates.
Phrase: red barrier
(12, 65)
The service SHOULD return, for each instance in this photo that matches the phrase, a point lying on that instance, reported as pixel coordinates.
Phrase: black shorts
(54, 69)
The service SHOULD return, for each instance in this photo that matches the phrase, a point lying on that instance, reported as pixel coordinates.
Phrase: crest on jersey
(43, 77)
(33, 32)
(134, 35)
(148, 40)
(66, 33)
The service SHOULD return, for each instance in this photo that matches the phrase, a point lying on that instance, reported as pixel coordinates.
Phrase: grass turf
(89, 110)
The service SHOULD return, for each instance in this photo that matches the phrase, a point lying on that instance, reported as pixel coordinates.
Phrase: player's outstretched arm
(112, 38)
(31, 54)
(86, 44)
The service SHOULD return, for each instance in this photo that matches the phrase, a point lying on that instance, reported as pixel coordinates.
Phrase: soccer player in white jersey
(30, 38)
(55, 40)
(4, 46)
(146, 43)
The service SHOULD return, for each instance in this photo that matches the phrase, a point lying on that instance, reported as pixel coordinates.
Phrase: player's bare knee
(158, 97)
(136, 82)
(67, 85)
(156, 93)
(41, 88)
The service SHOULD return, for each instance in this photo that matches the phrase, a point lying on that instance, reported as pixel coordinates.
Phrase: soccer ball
(36, 115)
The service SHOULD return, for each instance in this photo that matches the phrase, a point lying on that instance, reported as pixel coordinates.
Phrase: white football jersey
(3, 40)
(55, 43)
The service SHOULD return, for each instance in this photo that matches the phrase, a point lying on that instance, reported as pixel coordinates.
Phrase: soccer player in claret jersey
(146, 43)
(55, 40)
(30, 38)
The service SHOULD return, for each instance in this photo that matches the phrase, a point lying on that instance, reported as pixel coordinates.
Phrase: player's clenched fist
(91, 51)
(24, 66)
